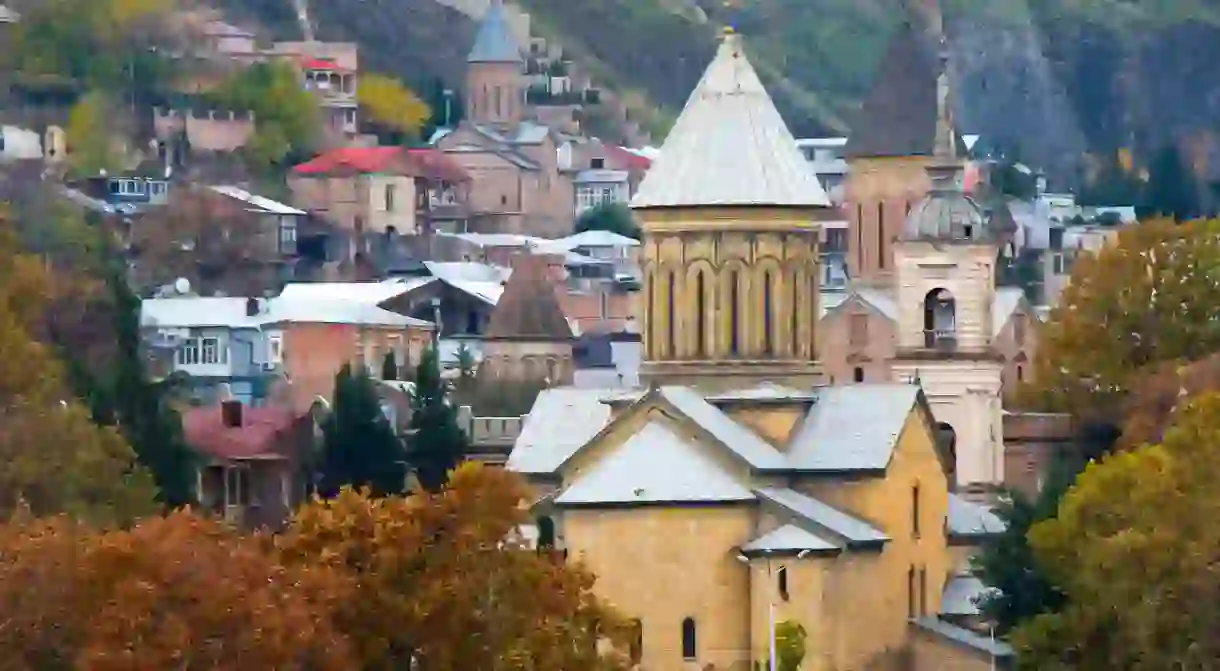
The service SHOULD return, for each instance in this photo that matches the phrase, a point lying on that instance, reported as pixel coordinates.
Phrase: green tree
(1133, 549)
(360, 448)
(1172, 190)
(91, 136)
(613, 217)
(1128, 308)
(438, 443)
(286, 115)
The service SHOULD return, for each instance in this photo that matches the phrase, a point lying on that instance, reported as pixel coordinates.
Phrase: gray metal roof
(730, 146)
(789, 538)
(495, 42)
(964, 637)
(852, 427)
(763, 393)
(852, 530)
(962, 595)
(655, 465)
(562, 420)
(972, 519)
(743, 442)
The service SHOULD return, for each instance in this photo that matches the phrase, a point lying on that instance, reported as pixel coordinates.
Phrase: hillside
(1064, 76)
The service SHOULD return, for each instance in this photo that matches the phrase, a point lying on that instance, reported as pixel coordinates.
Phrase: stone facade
(204, 130)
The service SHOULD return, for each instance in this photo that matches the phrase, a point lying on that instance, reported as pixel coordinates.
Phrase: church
(738, 490)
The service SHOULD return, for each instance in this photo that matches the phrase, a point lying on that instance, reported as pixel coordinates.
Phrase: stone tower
(495, 77)
(730, 214)
(945, 268)
(891, 142)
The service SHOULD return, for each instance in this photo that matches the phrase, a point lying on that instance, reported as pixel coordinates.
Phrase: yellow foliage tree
(1134, 549)
(178, 592)
(51, 454)
(391, 105)
(1138, 303)
(91, 136)
(441, 582)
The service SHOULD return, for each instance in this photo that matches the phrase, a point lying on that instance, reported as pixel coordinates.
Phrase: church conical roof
(528, 309)
(730, 147)
(495, 42)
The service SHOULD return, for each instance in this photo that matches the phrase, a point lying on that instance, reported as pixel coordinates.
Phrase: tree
(178, 592)
(1172, 190)
(1022, 589)
(613, 217)
(1149, 409)
(1131, 306)
(790, 639)
(286, 114)
(360, 448)
(438, 443)
(91, 137)
(51, 455)
(442, 584)
(389, 104)
(1133, 548)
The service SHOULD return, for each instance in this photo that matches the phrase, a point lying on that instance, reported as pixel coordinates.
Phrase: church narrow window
(650, 287)
(911, 605)
(794, 316)
(881, 251)
(636, 645)
(781, 579)
(499, 104)
(671, 315)
(768, 330)
(689, 648)
(915, 511)
(700, 317)
(734, 316)
(859, 238)
(923, 590)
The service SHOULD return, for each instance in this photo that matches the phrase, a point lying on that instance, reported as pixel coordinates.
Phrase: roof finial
(945, 145)
(729, 28)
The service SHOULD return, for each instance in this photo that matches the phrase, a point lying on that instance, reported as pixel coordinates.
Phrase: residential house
(742, 500)
(372, 194)
(607, 360)
(19, 144)
(597, 187)
(207, 130)
(223, 239)
(825, 156)
(1067, 243)
(252, 461)
(134, 189)
(334, 84)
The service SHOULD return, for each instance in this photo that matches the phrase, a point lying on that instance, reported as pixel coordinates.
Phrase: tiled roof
(789, 538)
(205, 432)
(529, 309)
(852, 428)
(495, 42)
(423, 162)
(899, 114)
(730, 146)
(966, 519)
(436, 164)
(852, 530)
(655, 465)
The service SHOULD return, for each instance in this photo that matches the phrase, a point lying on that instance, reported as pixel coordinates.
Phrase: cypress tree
(360, 447)
(438, 443)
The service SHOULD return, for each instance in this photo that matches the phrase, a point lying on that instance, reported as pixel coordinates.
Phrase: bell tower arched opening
(940, 320)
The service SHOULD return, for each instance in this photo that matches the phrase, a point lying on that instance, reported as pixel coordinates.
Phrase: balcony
(940, 340)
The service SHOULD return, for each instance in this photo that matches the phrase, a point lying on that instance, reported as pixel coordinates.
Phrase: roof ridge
(528, 308)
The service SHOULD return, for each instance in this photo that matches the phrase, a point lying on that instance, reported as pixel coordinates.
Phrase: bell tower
(495, 83)
(731, 215)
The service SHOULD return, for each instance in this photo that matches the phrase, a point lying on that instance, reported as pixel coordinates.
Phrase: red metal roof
(321, 64)
(257, 437)
(623, 159)
(424, 162)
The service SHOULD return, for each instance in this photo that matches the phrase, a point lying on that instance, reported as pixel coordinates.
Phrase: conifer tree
(438, 443)
(360, 448)
(389, 367)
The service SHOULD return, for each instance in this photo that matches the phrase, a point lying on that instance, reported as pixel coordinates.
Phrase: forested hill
(1057, 77)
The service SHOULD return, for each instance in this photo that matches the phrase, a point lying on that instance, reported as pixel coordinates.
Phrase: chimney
(231, 414)
(252, 308)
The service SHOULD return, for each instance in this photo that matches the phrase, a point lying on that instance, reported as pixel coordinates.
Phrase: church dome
(947, 213)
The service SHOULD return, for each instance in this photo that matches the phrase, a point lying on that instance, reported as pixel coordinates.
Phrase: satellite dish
(182, 285)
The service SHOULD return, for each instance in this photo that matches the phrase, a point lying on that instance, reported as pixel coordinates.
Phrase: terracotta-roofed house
(252, 458)
(528, 336)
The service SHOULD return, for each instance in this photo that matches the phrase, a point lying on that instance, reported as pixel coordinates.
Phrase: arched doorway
(940, 320)
(546, 533)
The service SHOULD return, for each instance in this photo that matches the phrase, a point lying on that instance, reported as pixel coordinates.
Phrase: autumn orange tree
(51, 454)
(1134, 550)
(1141, 301)
(179, 592)
(441, 584)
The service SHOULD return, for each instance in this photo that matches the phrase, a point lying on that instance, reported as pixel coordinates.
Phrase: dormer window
(597, 163)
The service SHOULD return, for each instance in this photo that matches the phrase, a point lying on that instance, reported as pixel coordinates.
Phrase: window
(597, 163)
(857, 374)
(923, 590)
(188, 354)
(881, 251)
(671, 315)
(688, 638)
(237, 487)
(859, 238)
(781, 582)
(211, 351)
(768, 331)
(1020, 373)
(546, 533)
(499, 102)
(700, 318)
(275, 348)
(858, 330)
(915, 511)
(636, 647)
(911, 605)
(389, 197)
(288, 233)
(795, 316)
(649, 323)
(734, 344)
